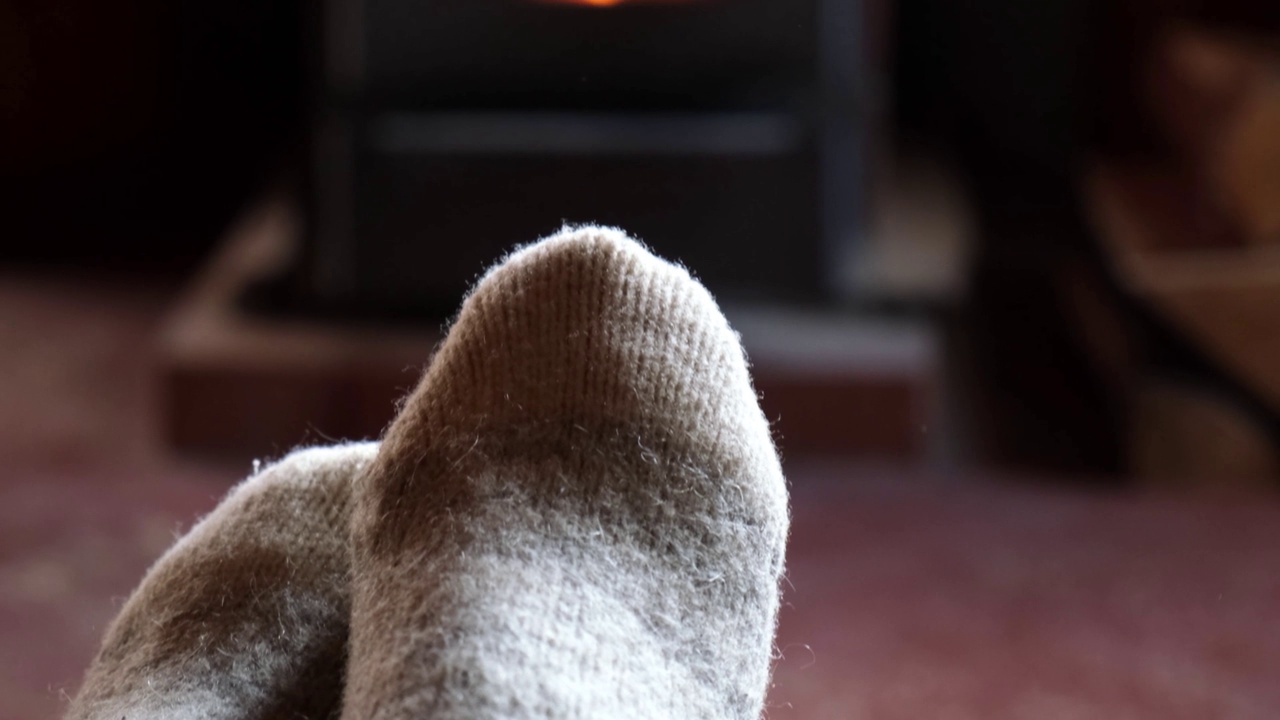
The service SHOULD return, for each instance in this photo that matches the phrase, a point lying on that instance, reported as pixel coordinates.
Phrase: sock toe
(589, 329)
(246, 615)
(586, 477)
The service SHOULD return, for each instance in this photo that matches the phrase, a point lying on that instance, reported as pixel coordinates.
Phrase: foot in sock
(578, 513)
(246, 616)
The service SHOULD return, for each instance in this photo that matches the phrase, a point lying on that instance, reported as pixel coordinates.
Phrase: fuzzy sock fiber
(578, 513)
(245, 617)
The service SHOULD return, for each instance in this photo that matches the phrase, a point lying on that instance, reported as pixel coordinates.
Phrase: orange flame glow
(609, 3)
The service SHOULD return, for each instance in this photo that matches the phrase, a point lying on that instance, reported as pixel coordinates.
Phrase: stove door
(574, 54)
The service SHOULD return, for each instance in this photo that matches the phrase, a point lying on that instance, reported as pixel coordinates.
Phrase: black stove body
(727, 134)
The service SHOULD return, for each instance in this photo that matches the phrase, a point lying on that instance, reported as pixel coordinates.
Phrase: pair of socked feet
(578, 513)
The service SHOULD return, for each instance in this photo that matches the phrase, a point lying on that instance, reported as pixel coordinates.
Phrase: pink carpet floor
(908, 596)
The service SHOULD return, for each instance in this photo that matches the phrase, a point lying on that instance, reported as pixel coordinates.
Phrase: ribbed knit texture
(246, 616)
(578, 513)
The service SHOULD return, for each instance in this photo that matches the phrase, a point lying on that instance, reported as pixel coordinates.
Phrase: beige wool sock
(245, 617)
(579, 513)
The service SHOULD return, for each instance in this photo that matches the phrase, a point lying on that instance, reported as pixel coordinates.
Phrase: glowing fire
(607, 3)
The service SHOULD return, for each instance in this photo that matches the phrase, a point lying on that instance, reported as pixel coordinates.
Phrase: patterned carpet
(909, 596)
(982, 601)
(87, 501)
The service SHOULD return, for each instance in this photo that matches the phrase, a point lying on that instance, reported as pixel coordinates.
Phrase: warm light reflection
(611, 3)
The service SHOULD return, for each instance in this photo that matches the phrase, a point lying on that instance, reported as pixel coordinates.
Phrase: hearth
(728, 134)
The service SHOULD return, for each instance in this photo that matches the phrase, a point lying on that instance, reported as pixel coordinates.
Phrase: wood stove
(725, 133)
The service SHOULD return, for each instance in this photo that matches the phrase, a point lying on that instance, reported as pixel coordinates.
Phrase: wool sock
(579, 512)
(245, 617)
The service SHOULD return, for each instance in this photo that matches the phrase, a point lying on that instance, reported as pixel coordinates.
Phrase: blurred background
(1008, 273)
